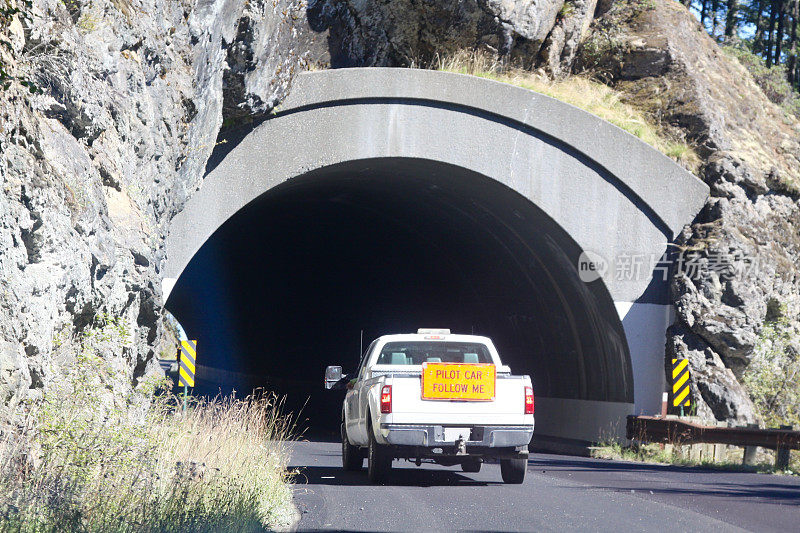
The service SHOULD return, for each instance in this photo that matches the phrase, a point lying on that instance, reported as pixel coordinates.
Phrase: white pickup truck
(434, 397)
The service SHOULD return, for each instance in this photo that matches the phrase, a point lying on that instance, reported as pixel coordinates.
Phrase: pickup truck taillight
(386, 399)
(528, 400)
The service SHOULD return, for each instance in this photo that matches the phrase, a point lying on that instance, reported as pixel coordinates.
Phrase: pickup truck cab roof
(386, 352)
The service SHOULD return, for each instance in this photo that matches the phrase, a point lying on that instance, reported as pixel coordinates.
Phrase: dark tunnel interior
(286, 286)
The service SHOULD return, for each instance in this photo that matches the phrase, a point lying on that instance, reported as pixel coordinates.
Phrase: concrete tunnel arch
(495, 190)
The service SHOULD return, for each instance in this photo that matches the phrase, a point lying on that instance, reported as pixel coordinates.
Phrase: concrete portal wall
(614, 195)
(645, 326)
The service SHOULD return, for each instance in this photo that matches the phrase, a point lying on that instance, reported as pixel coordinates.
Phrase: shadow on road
(403, 477)
(579, 464)
(690, 481)
(766, 492)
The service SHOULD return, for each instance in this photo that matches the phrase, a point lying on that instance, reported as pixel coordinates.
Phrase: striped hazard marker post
(680, 384)
(186, 367)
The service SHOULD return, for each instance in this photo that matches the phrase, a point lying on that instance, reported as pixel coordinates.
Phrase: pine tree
(758, 20)
(732, 19)
(791, 59)
(771, 33)
(768, 28)
(779, 5)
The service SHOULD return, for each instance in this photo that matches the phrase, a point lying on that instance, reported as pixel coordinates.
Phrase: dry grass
(587, 94)
(82, 460)
(671, 455)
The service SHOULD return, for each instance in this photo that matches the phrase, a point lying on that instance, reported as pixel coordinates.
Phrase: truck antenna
(361, 345)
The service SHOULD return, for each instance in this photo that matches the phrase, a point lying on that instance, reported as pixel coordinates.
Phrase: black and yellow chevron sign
(680, 383)
(187, 363)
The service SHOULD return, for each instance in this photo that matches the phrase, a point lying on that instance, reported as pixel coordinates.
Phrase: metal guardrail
(679, 432)
(658, 429)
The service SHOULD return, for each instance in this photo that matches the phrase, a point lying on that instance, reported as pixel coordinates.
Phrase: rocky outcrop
(717, 393)
(404, 32)
(93, 165)
(742, 254)
(560, 48)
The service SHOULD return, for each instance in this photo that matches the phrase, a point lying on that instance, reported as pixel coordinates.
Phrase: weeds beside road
(83, 461)
(655, 453)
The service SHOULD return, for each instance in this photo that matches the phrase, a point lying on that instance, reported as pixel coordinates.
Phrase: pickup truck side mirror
(333, 376)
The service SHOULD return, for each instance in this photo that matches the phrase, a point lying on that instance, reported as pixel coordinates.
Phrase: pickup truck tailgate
(408, 407)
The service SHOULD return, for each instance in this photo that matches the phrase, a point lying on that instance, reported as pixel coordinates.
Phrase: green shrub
(567, 10)
(773, 375)
(772, 80)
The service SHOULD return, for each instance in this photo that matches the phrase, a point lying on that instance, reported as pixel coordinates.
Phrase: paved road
(559, 493)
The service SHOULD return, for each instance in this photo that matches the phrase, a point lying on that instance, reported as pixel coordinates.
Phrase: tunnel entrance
(287, 285)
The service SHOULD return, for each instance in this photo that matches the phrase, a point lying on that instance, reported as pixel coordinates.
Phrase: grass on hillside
(773, 80)
(86, 460)
(589, 95)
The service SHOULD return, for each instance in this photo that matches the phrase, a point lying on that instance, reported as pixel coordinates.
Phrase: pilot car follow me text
(434, 397)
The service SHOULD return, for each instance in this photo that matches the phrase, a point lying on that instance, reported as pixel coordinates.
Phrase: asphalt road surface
(560, 493)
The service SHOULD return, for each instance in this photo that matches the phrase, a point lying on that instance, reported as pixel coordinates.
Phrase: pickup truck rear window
(418, 352)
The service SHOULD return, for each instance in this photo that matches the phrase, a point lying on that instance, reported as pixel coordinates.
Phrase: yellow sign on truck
(458, 381)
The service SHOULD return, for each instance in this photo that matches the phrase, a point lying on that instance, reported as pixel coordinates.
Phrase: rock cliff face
(133, 94)
(741, 256)
(93, 167)
(404, 32)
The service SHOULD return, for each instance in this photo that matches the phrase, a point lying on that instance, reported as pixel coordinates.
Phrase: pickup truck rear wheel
(378, 459)
(352, 458)
(513, 470)
(471, 464)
